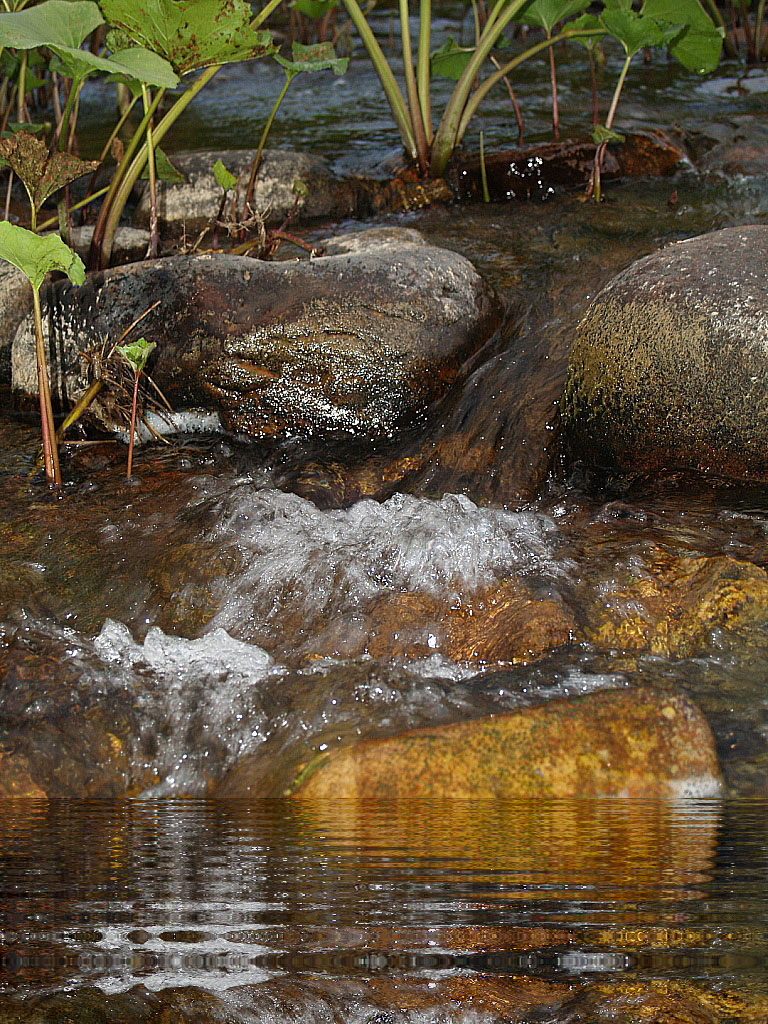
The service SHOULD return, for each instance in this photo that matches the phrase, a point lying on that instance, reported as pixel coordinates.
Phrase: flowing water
(154, 635)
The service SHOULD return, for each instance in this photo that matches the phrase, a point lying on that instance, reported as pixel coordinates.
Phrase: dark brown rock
(669, 369)
(357, 342)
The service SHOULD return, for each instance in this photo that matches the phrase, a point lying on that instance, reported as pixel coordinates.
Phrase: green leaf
(547, 13)
(137, 353)
(589, 22)
(223, 177)
(36, 255)
(164, 170)
(314, 9)
(698, 45)
(318, 57)
(636, 31)
(450, 60)
(136, 62)
(41, 172)
(602, 134)
(190, 34)
(62, 23)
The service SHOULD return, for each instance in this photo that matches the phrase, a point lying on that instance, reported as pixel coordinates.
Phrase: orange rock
(638, 743)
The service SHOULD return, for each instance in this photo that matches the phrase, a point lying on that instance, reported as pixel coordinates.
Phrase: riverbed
(228, 587)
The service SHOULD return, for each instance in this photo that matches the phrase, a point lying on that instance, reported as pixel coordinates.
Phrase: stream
(155, 634)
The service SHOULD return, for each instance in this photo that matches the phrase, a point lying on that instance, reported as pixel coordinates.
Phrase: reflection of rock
(671, 850)
(660, 999)
(15, 778)
(631, 743)
(358, 342)
(671, 607)
(670, 364)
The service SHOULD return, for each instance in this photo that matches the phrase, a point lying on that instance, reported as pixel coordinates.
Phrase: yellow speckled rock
(637, 743)
(672, 608)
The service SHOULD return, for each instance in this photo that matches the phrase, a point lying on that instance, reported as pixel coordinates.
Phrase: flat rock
(195, 202)
(636, 743)
(669, 368)
(358, 342)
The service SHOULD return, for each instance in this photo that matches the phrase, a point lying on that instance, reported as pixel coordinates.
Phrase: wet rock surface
(192, 205)
(669, 366)
(358, 342)
(671, 606)
(618, 743)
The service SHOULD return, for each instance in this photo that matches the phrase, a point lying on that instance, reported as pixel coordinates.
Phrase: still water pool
(489, 910)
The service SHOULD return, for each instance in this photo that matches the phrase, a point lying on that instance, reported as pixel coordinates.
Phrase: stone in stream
(192, 204)
(358, 342)
(670, 606)
(669, 369)
(637, 743)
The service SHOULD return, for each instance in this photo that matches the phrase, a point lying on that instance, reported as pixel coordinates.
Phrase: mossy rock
(669, 368)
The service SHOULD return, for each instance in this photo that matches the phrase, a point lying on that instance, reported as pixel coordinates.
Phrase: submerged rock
(669, 370)
(636, 743)
(505, 622)
(671, 607)
(358, 342)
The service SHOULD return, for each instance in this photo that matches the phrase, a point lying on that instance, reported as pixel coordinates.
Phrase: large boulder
(358, 341)
(637, 743)
(669, 369)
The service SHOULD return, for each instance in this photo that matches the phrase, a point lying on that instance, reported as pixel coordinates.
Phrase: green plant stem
(423, 67)
(153, 232)
(483, 171)
(48, 429)
(391, 89)
(452, 130)
(728, 45)
(412, 92)
(129, 168)
(134, 403)
(596, 180)
(759, 39)
(617, 93)
(553, 87)
(21, 90)
(256, 164)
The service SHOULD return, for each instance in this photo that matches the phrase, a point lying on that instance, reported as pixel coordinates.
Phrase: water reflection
(222, 894)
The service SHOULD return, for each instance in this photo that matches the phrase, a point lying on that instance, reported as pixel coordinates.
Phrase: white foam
(329, 562)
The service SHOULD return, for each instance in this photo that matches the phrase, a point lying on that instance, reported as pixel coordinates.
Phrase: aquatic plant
(136, 355)
(35, 256)
(696, 44)
(691, 38)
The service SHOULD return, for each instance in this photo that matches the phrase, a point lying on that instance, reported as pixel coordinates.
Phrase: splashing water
(327, 563)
